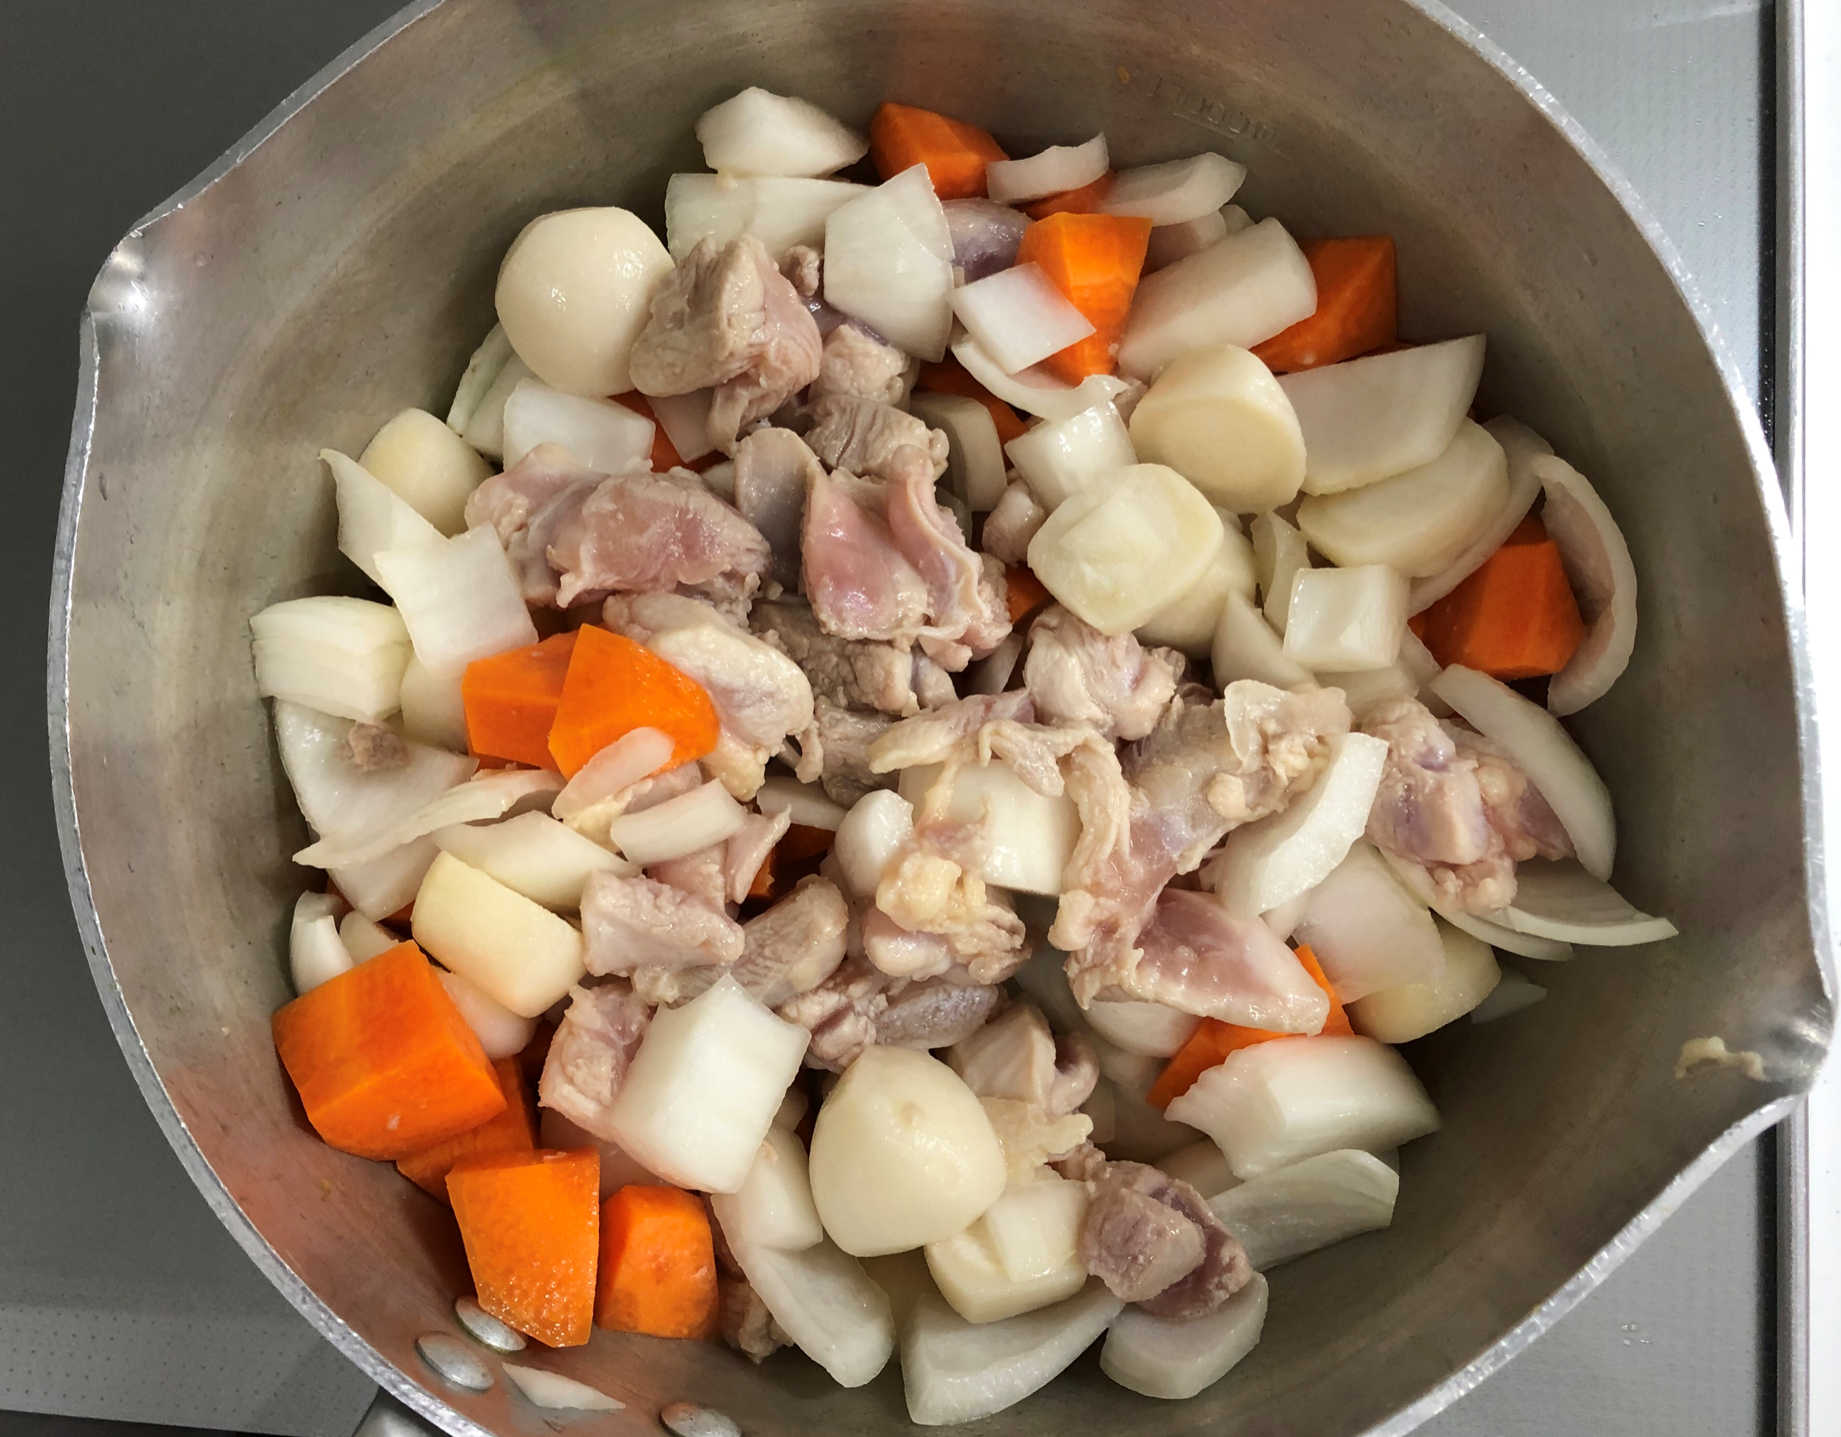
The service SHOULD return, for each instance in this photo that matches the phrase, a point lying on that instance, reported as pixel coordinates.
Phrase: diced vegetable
(483, 369)
(1053, 171)
(383, 1062)
(512, 1130)
(1419, 883)
(1203, 1166)
(1083, 201)
(683, 421)
(888, 262)
(951, 377)
(1018, 317)
(985, 235)
(428, 465)
(1546, 753)
(1176, 191)
(1507, 998)
(760, 133)
(598, 435)
(1411, 1010)
(1035, 390)
(1520, 446)
(618, 1169)
(1346, 619)
(373, 518)
(1356, 304)
(1366, 419)
(1241, 291)
(1122, 552)
(1022, 1254)
(904, 1277)
(485, 431)
(1279, 555)
(501, 1032)
(530, 1223)
(316, 953)
(1367, 931)
(636, 754)
(681, 825)
(614, 686)
(1236, 219)
(1272, 1104)
(510, 700)
(902, 1154)
(434, 712)
(1060, 458)
(1094, 260)
(341, 656)
(1599, 570)
(1170, 243)
(824, 1301)
(574, 291)
(1148, 1029)
(872, 833)
(1189, 624)
(1029, 836)
(958, 1371)
(1275, 859)
(1514, 618)
(773, 1207)
(1564, 901)
(975, 465)
(484, 796)
(657, 1271)
(1418, 521)
(1245, 647)
(1308, 1205)
(808, 803)
(521, 954)
(780, 213)
(1176, 1358)
(386, 885)
(703, 1089)
(1218, 417)
(364, 939)
(459, 599)
(955, 154)
(557, 1393)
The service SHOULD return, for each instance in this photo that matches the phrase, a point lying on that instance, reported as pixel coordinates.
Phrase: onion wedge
(487, 796)
(1564, 901)
(1172, 1358)
(1051, 172)
(1523, 945)
(1522, 446)
(1308, 1205)
(1603, 578)
(1034, 389)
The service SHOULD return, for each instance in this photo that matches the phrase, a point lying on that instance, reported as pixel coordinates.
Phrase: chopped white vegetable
(315, 950)
(1246, 648)
(484, 796)
(483, 369)
(520, 954)
(1050, 172)
(681, 825)
(430, 466)
(824, 1301)
(459, 598)
(341, 656)
(558, 1393)
(1365, 688)
(636, 754)
(386, 885)
(1284, 920)
(548, 862)
(501, 1032)
(1537, 744)
(1121, 552)
(485, 430)
(1203, 1166)
(904, 1277)
(902, 1154)
(1520, 446)
(372, 516)
(1189, 624)
(1149, 1029)
(1175, 191)
(685, 418)
(704, 1086)
(809, 805)
(719, 479)
(1508, 997)
(888, 262)
(1236, 219)
(1141, 1133)
(1367, 931)
(1241, 291)
(1029, 836)
(1035, 390)
(1308, 1205)
(975, 463)
(433, 711)
(598, 435)
(1282, 1101)
(575, 290)
(364, 939)
(1565, 901)
(1602, 577)
(1218, 417)
(1419, 521)
(1498, 935)
(1275, 859)
(760, 133)
(773, 1206)
(1022, 1254)
(1279, 555)
(1170, 243)
(780, 213)
(1368, 418)
(1346, 619)
(1177, 1358)
(792, 1110)
(872, 833)
(1411, 1010)
(1059, 458)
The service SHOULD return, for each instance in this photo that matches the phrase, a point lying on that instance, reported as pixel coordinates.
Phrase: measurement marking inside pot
(1187, 103)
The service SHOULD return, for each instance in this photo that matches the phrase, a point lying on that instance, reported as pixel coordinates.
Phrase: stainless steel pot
(337, 265)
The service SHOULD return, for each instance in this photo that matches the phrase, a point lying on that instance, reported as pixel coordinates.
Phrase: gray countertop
(120, 1297)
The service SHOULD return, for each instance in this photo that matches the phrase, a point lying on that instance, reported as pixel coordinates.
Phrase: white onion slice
(677, 826)
(1342, 620)
(1522, 446)
(1367, 931)
(548, 862)
(685, 418)
(501, 1032)
(434, 712)
(888, 262)
(364, 939)
(1035, 390)
(1176, 191)
(315, 951)
(1148, 1029)
(1524, 945)
(638, 753)
(1051, 172)
(485, 796)
(1408, 1011)
(493, 354)
(338, 655)
(1174, 1359)
(1018, 317)
(389, 884)
(1059, 458)
(1603, 579)
(1245, 647)
(459, 599)
(1546, 753)
(485, 430)
(372, 516)
(827, 1305)
(780, 213)
(1511, 995)
(991, 674)
(760, 133)
(598, 435)
(1298, 1209)
(1169, 243)
(808, 804)
(558, 1393)
(1565, 901)
(975, 463)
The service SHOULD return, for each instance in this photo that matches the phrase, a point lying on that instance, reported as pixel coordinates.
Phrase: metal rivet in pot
(454, 1360)
(487, 1328)
(690, 1419)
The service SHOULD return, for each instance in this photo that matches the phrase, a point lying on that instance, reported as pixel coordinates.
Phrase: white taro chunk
(1411, 1010)
(1219, 418)
(519, 953)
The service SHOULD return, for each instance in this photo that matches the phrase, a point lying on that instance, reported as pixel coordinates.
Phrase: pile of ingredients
(944, 730)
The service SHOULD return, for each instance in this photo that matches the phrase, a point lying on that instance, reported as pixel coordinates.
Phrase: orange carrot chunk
(664, 452)
(955, 153)
(615, 686)
(1515, 618)
(1094, 260)
(1355, 306)
(1212, 1041)
(512, 1131)
(950, 377)
(1023, 592)
(510, 700)
(1083, 201)
(658, 1265)
(531, 1225)
(383, 1061)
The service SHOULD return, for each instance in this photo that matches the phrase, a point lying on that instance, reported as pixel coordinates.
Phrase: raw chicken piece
(1016, 1056)
(630, 923)
(795, 945)
(1012, 524)
(932, 684)
(728, 319)
(590, 1054)
(1077, 675)
(590, 812)
(804, 268)
(1031, 1136)
(773, 470)
(925, 892)
(1152, 1240)
(851, 673)
(372, 748)
(525, 506)
(857, 365)
(840, 1013)
(747, 1325)
(703, 874)
(899, 952)
(1516, 809)
(862, 436)
(937, 1012)
(836, 752)
(1197, 958)
(968, 730)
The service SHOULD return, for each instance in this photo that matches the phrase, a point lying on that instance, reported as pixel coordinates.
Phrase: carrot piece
(955, 153)
(1515, 618)
(512, 1131)
(664, 452)
(1023, 592)
(1355, 306)
(1212, 1041)
(658, 1264)
(950, 377)
(383, 1061)
(1094, 260)
(1083, 201)
(615, 686)
(530, 1223)
(510, 700)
